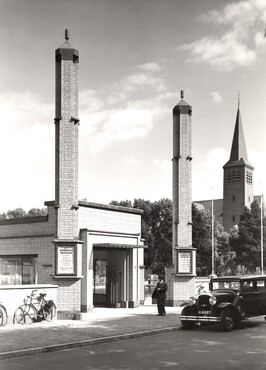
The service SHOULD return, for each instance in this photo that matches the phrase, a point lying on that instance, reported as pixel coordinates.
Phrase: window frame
(24, 256)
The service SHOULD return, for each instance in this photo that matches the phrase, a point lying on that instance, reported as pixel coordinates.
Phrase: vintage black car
(231, 299)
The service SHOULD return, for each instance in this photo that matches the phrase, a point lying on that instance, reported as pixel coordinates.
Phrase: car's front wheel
(227, 320)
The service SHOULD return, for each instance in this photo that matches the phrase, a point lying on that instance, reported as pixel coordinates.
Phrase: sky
(135, 58)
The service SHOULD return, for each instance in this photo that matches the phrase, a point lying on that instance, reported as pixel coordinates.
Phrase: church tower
(238, 178)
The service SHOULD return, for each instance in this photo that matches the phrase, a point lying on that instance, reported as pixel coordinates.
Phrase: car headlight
(212, 300)
(192, 300)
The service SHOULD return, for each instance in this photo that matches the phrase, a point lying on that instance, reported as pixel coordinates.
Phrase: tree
(161, 225)
(202, 241)
(245, 242)
(156, 230)
(122, 203)
(20, 213)
(146, 228)
(33, 212)
(16, 213)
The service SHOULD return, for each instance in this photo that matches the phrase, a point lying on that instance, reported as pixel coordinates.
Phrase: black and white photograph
(132, 161)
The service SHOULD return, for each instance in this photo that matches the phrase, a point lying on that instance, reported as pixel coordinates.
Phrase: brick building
(82, 254)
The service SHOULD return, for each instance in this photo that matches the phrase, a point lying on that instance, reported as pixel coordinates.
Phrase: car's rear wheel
(227, 320)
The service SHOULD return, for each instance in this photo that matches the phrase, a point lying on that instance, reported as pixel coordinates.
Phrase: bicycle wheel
(30, 314)
(49, 314)
(25, 314)
(19, 317)
(3, 315)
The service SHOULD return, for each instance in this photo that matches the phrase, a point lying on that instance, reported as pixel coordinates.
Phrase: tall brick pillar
(66, 136)
(181, 275)
(68, 253)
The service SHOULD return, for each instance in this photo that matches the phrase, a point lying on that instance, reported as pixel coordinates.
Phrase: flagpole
(212, 237)
(261, 231)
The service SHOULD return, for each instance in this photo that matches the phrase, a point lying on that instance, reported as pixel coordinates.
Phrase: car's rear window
(261, 285)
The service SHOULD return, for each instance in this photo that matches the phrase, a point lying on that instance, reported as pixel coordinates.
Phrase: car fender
(232, 307)
(240, 305)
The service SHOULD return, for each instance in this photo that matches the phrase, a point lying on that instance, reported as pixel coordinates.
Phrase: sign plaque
(184, 262)
(65, 256)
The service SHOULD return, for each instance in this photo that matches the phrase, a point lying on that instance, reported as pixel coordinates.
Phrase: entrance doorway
(109, 278)
(113, 288)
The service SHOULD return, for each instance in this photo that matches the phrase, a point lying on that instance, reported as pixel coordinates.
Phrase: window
(234, 177)
(238, 177)
(233, 218)
(261, 286)
(249, 177)
(99, 276)
(234, 198)
(226, 285)
(248, 286)
(229, 177)
(17, 270)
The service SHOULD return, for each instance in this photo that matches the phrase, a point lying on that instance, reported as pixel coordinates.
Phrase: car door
(261, 296)
(250, 297)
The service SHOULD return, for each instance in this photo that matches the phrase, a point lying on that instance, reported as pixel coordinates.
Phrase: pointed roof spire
(66, 51)
(238, 149)
(182, 106)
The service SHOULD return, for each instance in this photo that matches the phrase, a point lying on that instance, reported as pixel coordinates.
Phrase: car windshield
(225, 285)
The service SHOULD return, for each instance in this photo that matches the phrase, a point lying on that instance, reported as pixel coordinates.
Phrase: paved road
(203, 348)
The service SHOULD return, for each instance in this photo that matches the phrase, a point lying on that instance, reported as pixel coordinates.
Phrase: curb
(89, 342)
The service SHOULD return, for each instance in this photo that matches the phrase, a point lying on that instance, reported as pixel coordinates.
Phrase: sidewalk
(100, 326)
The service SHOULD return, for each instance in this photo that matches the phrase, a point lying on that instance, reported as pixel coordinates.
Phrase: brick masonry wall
(181, 286)
(25, 227)
(109, 221)
(182, 181)
(68, 297)
(12, 296)
(67, 148)
(180, 289)
(237, 194)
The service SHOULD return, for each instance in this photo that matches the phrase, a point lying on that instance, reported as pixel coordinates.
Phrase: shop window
(18, 270)
(99, 276)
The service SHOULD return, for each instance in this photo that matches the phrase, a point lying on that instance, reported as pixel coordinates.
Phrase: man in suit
(161, 289)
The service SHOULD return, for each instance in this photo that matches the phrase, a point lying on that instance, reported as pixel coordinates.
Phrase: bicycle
(3, 315)
(35, 309)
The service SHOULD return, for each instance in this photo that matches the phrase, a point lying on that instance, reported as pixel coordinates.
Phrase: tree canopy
(245, 241)
(20, 213)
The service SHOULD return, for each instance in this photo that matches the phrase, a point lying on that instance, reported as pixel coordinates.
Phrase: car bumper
(200, 318)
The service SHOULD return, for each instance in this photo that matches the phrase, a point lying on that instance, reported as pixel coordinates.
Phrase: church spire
(238, 149)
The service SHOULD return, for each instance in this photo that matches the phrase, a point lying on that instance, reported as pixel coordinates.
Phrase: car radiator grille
(204, 306)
